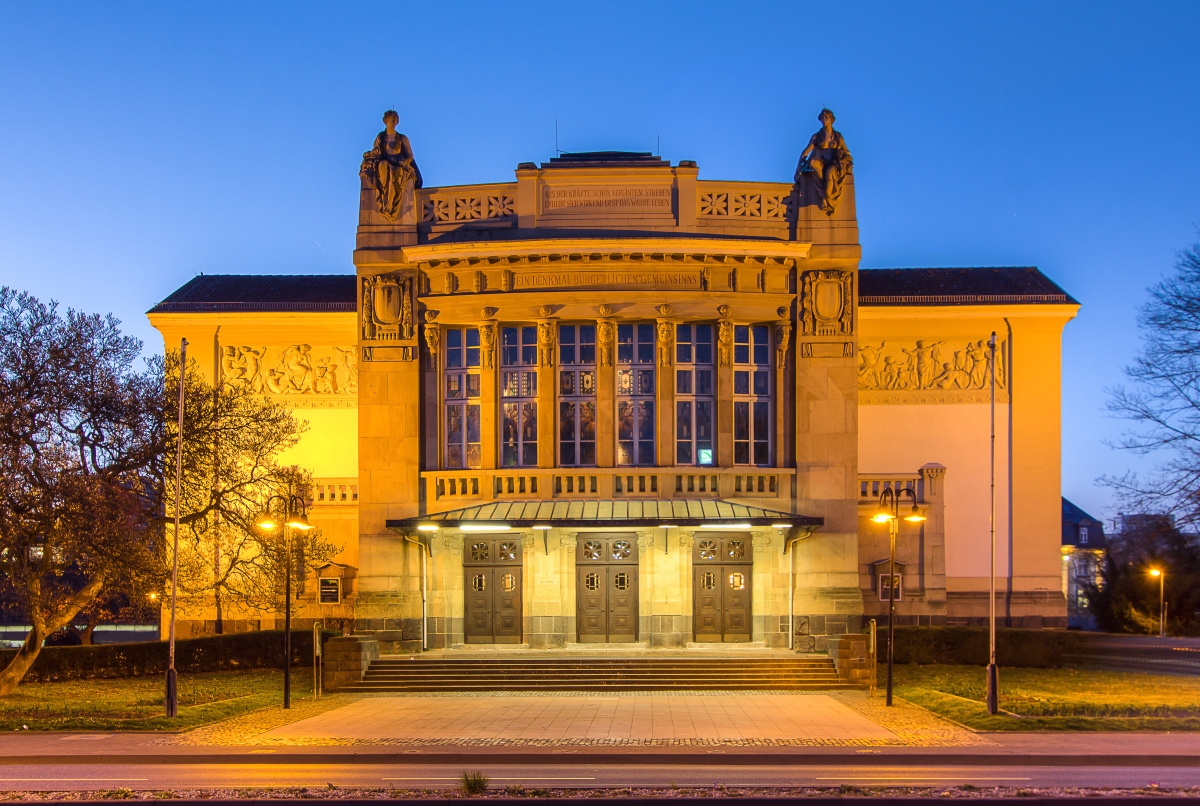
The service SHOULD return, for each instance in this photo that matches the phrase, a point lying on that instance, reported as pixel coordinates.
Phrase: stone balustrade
(744, 201)
(455, 206)
(871, 485)
(335, 492)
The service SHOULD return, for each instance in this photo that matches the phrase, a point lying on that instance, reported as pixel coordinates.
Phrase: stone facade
(609, 331)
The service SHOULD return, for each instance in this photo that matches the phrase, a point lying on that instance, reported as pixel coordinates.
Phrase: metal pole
(172, 679)
(1162, 606)
(287, 609)
(993, 675)
(894, 528)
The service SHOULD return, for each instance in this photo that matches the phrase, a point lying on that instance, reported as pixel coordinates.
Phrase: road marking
(459, 778)
(73, 779)
(921, 778)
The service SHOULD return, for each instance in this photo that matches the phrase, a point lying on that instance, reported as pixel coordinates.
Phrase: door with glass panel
(721, 573)
(606, 588)
(492, 590)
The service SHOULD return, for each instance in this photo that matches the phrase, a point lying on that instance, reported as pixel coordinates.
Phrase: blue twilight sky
(141, 144)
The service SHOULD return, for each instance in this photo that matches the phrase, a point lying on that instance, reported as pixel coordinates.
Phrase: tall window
(751, 395)
(462, 398)
(577, 395)
(694, 408)
(635, 394)
(518, 392)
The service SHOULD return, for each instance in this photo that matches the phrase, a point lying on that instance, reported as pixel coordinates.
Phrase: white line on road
(73, 779)
(918, 778)
(459, 778)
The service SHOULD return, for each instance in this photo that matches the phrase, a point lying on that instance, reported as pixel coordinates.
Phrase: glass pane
(704, 344)
(645, 416)
(683, 334)
(529, 423)
(472, 356)
(762, 384)
(453, 338)
(454, 457)
(762, 344)
(587, 421)
(624, 382)
(625, 420)
(741, 383)
(474, 455)
(529, 346)
(645, 339)
(508, 384)
(741, 453)
(473, 337)
(566, 453)
(704, 419)
(509, 430)
(587, 344)
(683, 453)
(454, 388)
(683, 381)
(704, 384)
(453, 356)
(566, 422)
(645, 453)
(566, 382)
(624, 344)
(529, 454)
(528, 384)
(645, 381)
(762, 453)
(587, 382)
(683, 420)
(741, 354)
(472, 386)
(624, 453)
(473, 423)
(587, 453)
(762, 416)
(566, 344)
(741, 420)
(509, 347)
(454, 424)
(741, 334)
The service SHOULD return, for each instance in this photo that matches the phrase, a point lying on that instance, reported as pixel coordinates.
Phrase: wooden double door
(492, 589)
(606, 585)
(722, 566)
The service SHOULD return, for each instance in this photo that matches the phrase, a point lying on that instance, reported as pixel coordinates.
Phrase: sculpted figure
(868, 365)
(604, 335)
(923, 361)
(390, 169)
(828, 158)
(665, 332)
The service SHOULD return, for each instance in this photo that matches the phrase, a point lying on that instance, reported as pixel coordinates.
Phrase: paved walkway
(606, 718)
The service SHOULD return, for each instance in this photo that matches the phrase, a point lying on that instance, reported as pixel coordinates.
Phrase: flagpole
(172, 681)
(993, 682)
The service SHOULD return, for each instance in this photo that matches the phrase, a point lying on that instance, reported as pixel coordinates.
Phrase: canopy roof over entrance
(607, 513)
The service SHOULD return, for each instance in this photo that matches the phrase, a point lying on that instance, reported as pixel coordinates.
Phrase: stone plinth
(347, 659)
(850, 658)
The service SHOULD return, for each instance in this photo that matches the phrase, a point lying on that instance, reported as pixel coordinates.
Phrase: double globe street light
(293, 514)
(889, 513)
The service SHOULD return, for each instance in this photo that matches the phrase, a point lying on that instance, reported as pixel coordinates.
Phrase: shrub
(473, 783)
(1037, 649)
(247, 650)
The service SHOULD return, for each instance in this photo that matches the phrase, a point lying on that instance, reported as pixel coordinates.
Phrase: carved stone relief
(961, 368)
(605, 331)
(487, 345)
(827, 303)
(433, 338)
(388, 305)
(545, 334)
(725, 342)
(783, 335)
(666, 342)
(299, 369)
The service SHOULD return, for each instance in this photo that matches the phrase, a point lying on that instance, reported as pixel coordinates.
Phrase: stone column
(647, 579)
(489, 404)
(783, 335)
(932, 565)
(606, 391)
(724, 391)
(665, 388)
(547, 384)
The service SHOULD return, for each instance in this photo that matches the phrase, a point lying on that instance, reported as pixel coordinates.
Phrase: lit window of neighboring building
(751, 395)
(694, 405)
(518, 392)
(1083, 535)
(635, 394)
(577, 395)
(462, 398)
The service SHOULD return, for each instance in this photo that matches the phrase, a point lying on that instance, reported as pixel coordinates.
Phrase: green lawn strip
(137, 703)
(1055, 699)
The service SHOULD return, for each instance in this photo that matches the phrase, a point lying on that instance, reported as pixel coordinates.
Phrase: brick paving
(589, 719)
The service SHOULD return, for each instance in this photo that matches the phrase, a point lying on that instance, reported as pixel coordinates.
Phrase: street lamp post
(172, 679)
(1162, 602)
(889, 513)
(293, 516)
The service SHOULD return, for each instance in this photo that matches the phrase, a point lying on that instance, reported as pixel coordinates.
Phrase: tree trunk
(86, 635)
(26, 655)
(220, 626)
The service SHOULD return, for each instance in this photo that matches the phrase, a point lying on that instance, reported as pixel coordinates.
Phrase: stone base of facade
(346, 660)
(1026, 609)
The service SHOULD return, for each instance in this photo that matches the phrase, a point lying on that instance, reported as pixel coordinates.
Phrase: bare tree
(1163, 403)
(80, 440)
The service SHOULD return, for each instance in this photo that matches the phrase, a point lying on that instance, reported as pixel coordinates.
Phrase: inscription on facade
(604, 279)
(583, 199)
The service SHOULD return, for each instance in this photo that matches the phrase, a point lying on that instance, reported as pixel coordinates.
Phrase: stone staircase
(599, 673)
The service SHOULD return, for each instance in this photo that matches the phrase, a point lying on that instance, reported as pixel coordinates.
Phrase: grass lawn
(1054, 699)
(137, 703)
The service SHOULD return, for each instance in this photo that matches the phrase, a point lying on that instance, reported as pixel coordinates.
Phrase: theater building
(612, 402)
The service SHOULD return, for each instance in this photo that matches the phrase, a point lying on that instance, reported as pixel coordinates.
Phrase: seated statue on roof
(390, 169)
(828, 160)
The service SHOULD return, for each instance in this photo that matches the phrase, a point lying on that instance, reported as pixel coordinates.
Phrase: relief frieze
(923, 370)
(303, 374)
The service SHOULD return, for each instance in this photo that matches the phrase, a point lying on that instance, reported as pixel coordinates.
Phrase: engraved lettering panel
(591, 200)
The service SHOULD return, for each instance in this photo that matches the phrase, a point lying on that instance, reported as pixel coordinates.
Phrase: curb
(636, 758)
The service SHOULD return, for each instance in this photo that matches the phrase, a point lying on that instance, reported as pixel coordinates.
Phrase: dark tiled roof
(263, 292)
(1072, 518)
(624, 159)
(978, 286)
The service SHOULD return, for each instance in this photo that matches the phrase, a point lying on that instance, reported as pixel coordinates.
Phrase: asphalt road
(203, 776)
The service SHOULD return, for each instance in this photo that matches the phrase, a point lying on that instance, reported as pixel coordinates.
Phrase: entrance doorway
(721, 574)
(606, 598)
(492, 589)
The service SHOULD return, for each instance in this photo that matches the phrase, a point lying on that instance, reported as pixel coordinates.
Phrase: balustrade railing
(467, 203)
(871, 485)
(766, 201)
(340, 492)
(447, 489)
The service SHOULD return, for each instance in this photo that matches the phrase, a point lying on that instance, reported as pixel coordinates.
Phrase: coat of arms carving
(388, 305)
